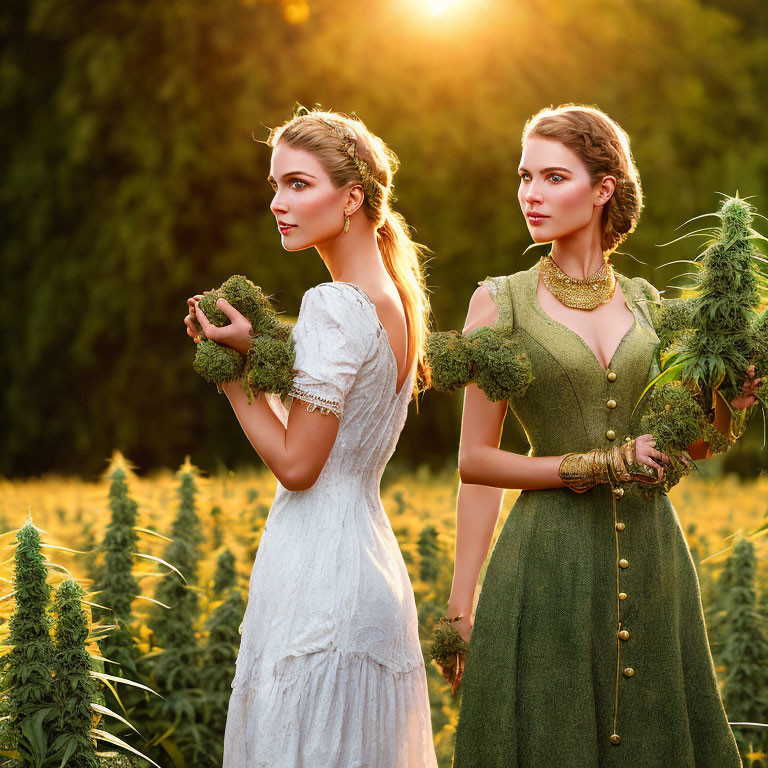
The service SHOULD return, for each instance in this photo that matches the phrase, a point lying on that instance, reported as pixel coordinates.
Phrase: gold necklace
(589, 293)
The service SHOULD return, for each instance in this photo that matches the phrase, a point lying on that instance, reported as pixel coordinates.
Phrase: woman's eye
(524, 177)
(298, 184)
(556, 177)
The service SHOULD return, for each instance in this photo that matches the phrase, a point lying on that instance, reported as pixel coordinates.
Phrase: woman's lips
(285, 228)
(535, 218)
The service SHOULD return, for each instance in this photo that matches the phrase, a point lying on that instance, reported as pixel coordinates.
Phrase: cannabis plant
(745, 653)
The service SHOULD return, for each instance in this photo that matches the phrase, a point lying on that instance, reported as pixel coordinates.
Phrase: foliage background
(131, 180)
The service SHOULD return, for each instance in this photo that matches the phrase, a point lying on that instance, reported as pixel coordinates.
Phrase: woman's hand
(237, 334)
(194, 330)
(464, 625)
(646, 453)
(748, 390)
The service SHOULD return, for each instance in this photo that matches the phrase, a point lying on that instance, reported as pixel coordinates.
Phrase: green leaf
(162, 562)
(107, 711)
(151, 532)
(105, 676)
(153, 600)
(109, 738)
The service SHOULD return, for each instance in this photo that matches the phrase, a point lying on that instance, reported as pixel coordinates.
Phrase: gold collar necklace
(595, 290)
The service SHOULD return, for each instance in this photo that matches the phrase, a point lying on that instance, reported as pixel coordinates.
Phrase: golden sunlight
(437, 7)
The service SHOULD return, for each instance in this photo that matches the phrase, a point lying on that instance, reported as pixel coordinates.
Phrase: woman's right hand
(464, 625)
(646, 453)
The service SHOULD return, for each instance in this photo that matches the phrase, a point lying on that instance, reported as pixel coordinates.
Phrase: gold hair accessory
(589, 293)
(371, 186)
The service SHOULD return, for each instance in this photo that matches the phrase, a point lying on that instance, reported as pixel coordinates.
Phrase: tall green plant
(220, 653)
(719, 353)
(745, 653)
(175, 669)
(428, 551)
(225, 574)
(708, 341)
(27, 666)
(74, 689)
(117, 587)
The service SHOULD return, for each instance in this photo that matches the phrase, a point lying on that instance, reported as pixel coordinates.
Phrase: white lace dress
(330, 672)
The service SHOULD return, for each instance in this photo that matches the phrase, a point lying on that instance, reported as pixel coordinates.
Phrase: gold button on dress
(610, 434)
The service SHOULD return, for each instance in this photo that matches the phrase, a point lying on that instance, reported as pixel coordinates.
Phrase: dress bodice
(345, 365)
(573, 403)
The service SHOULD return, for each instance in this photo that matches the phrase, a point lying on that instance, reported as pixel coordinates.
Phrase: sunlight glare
(437, 7)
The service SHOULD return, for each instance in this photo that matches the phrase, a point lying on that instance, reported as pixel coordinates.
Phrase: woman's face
(556, 193)
(308, 207)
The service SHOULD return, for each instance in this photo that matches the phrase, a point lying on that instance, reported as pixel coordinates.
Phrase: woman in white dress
(330, 673)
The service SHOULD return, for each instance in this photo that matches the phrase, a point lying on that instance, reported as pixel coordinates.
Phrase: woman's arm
(481, 461)
(722, 421)
(482, 488)
(296, 453)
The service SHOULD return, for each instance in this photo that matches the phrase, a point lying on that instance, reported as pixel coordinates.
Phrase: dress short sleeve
(647, 298)
(332, 338)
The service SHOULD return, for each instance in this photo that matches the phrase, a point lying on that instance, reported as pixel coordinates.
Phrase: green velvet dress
(589, 645)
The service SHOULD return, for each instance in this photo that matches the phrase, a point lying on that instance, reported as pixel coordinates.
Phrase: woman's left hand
(748, 390)
(237, 334)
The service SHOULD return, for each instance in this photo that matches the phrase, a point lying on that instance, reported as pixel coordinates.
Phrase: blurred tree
(132, 181)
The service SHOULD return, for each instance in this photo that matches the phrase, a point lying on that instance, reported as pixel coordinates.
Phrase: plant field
(230, 511)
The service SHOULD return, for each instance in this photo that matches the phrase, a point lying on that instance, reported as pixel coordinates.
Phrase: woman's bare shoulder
(482, 309)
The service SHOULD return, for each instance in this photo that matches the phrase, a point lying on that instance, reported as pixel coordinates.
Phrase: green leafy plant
(429, 550)
(489, 357)
(50, 693)
(28, 665)
(708, 340)
(74, 689)
(220, 652)
(117, 586)
(745, 653)
(175, 662)
(268, 366)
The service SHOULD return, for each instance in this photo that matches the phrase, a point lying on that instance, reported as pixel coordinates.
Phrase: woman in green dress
(588, 647)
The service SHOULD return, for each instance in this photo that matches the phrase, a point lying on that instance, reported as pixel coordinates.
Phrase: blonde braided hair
(351, 153)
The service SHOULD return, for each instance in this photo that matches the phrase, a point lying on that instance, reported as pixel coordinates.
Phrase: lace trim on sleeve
(315, 402)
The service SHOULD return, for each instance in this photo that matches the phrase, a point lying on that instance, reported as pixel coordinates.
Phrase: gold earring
(346, 223)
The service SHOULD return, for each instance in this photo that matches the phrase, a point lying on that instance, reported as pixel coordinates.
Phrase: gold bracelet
(582, 471)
